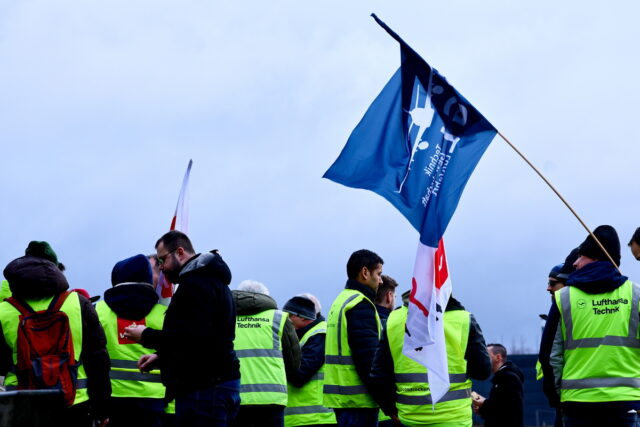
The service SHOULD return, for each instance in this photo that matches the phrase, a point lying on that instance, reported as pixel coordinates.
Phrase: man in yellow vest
(268, 349)
(353, 332)
(36, 280)
(305, 385)
(590, 346)
(137, 397)
(400, 384)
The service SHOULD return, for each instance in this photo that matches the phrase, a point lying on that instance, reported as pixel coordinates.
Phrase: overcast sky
(102, 104)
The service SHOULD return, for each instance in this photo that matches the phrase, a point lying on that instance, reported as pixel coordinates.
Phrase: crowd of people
(216, 356)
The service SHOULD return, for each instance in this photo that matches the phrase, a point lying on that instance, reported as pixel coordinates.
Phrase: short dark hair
(362, 258)
(498, 349)
(635, 237)
(175, 239)
(388, 285)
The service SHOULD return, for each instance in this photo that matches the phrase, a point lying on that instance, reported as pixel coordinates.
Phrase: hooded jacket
(594, 278)
(132, 301)
(36, 278)
(196, 342)
(504, 406)
(248, 303)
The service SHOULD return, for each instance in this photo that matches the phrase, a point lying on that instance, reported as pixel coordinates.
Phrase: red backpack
(46, 360)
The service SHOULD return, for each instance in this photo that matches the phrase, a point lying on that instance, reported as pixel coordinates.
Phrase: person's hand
(477, 403)
(134, 332)
(146, 362)
(395, 420)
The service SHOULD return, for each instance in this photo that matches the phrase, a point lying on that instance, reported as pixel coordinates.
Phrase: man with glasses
(195, 346)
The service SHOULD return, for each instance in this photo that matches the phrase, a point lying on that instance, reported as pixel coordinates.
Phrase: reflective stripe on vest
(126, 378)
(305, 403)
(10, 317)
(601, 345)
(258, 345)
(343, 387)
(414, 403)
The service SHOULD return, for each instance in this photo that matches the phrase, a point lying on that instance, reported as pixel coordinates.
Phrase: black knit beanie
(608, 236)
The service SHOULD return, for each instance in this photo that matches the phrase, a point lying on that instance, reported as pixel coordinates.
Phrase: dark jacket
(362, 331)
(312, 355)
(36, 278)
(196, 342)
(248, 303)
(383, 314)
(132, 301)
(594, 278)
(504, 406)
(382, 371)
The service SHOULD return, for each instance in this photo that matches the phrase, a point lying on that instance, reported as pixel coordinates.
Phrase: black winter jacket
(362, 331)
(504, 406)
(36, 278)
(195, 344)
(312, 355)
(382, 372)
(248, 303)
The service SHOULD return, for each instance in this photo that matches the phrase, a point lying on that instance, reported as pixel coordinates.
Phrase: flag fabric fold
(416, 146)
(180, 222)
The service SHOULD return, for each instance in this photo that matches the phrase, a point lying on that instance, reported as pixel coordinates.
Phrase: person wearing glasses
(195, 346)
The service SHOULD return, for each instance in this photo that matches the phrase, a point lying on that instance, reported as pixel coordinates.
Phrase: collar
(365, 290)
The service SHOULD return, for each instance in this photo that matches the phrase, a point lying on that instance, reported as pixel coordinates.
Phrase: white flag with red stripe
(424, 339)
(180, 222)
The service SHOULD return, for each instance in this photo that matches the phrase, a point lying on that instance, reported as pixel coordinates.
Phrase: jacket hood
(596, 278)
(131, 301)
(252, 302)
(510, 368)
(31, 277)
(212, 263)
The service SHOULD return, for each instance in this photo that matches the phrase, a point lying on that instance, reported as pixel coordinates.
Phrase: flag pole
(560, 196)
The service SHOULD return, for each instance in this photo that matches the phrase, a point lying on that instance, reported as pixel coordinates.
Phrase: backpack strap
(24, 308)
(57, 301)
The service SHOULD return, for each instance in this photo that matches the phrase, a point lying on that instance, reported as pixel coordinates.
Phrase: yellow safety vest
(305, 403)
(601, 345)
(258, 345)
(343, 387)
(126, 378)
(9, 318)
(414, 403)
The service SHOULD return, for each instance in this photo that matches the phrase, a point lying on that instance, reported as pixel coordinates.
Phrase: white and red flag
(180, 222)
(424, 339)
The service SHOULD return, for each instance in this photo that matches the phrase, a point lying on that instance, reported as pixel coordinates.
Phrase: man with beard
(195, 346)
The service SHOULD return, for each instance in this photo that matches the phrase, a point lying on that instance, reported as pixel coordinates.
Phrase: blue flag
(416, 145)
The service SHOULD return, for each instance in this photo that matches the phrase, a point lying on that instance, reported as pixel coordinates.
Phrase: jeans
(360, 417)
(624, 419)
(215, 406)
(260, 416)
(139, 412)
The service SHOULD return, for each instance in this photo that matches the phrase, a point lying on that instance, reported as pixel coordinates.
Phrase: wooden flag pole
(560, 196)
